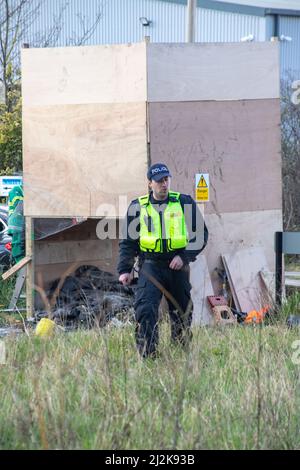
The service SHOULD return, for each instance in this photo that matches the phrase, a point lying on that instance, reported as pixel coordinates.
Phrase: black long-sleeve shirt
(129, 245)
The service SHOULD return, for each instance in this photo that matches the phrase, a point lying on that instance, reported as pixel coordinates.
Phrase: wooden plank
(293, 274)
(85, 230)
(70, 251)
(237, 143)
(268, 278)
(231, 232)
(292, 282)
(45, 228)
(18, 288)
(196, 72)
(79, 158)
(16, 267)
(231, 285)
(87, 74)
(244, 267)
(201, 288)
(292, 278)
(10, 310)
(30, 267)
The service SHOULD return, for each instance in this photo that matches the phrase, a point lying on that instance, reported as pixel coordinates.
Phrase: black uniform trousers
(155, 280)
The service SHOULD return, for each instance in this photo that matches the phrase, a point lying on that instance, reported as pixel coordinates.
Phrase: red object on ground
(216, 300)
(8, 246)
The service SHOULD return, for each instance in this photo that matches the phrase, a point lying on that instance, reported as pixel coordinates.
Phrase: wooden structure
(95, 117)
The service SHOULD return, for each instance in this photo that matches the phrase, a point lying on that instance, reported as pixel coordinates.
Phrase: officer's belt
(165, 264)
(162, 263)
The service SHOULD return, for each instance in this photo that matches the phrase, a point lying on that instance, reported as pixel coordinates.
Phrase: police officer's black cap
(158, 171)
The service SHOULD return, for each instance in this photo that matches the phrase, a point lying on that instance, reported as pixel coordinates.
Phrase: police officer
(166, 230)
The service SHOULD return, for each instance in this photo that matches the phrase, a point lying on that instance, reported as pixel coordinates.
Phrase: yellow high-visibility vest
(151, 228)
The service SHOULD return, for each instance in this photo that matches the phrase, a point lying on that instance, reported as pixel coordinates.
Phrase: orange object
(256, 316)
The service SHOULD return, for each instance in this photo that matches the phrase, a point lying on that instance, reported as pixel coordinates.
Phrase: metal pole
(190, 22)
(278, 268)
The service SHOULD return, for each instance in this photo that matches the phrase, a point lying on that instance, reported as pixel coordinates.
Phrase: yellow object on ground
(45, 328)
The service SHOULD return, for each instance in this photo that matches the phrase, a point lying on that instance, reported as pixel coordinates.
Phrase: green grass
(292, 304)
(292, 262)
(237, 388)
(6, 292)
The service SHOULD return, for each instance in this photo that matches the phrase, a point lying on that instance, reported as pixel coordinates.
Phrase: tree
(11, 138)
(16, 17)
(290, 141)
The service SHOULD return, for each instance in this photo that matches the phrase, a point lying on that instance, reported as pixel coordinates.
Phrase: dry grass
(237, 388)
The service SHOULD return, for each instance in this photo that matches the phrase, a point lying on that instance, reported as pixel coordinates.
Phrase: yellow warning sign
(202, 183)
(202, 187)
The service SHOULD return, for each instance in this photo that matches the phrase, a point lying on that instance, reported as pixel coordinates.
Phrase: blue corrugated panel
(289, 27)
(68, 20)
(120, 23)
(217, 26)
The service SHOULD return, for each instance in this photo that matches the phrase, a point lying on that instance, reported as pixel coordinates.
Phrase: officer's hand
(125, 279)
(176, 263)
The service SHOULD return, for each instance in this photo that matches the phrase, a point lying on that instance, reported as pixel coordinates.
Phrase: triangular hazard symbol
(202, 183)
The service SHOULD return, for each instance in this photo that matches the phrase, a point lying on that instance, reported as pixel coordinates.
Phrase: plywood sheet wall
(200, 72)
(84, 125)
(84, 129)
(236, 142)
(79, 157)
(82, 75)
(215, 109)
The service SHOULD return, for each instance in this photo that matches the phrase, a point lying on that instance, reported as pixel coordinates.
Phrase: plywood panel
(244, 267)
(69, 251)
(195, 72)
(201, 288)
(76, 75)
(231, 286)
(85, 229)
(237, 143)
(231, 232)
(78, 157)
(269, 281)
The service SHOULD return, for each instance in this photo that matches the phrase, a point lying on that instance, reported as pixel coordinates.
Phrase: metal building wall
(289, 26)
(219, 26)
(120, 22)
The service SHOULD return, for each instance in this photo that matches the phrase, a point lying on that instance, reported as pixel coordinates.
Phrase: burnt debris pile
(90, 296)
